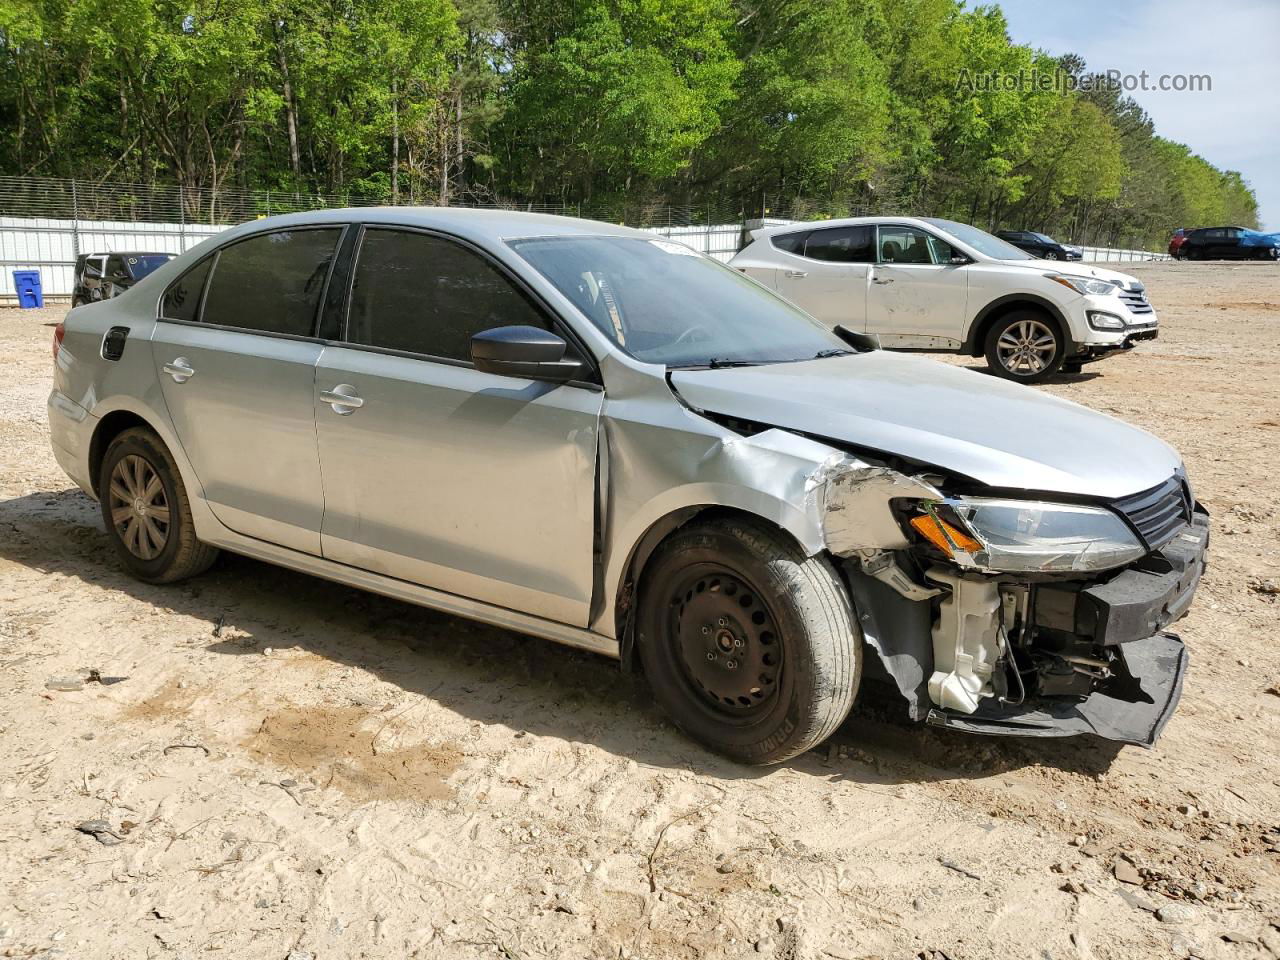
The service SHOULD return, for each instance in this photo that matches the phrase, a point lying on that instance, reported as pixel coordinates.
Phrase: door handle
(180, 369)
(882, 279)
(797, 274)
(343, 398)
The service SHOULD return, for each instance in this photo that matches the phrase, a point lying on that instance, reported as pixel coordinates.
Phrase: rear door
(828, 276)
(917, 297)
(236, 351)
(435, 472)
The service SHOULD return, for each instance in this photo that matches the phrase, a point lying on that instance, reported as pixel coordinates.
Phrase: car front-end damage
(1019, 616)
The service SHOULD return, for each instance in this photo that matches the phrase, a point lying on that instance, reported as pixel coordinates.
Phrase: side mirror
(959, 260)
(862, 342)
(528, 352)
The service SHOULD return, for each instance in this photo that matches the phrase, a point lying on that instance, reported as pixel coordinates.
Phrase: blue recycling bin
(29, 289)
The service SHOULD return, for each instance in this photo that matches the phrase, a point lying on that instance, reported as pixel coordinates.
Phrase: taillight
(58, 333)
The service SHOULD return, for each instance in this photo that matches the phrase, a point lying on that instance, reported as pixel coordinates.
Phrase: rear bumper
(70, 432)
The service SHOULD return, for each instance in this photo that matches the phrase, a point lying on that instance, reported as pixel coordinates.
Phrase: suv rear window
(271, 283)
(842, 245)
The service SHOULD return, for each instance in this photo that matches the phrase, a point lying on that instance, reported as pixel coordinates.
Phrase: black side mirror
(529, 352)
(861, 342)
(959, 260)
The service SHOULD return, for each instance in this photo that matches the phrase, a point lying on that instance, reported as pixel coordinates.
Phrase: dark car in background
(1230, 243)
(1041, 245)
(101, 276)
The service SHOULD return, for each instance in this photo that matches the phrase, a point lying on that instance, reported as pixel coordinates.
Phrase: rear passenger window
(271, 283)
(842, 245)
(182, 299)
(428, 295)
(790, 242)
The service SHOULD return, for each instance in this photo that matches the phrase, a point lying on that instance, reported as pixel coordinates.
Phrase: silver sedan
(597, 436)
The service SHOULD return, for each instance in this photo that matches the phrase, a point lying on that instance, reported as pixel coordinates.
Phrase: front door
(917, 297)
(436, 473)
(827, 276)
(238, 380)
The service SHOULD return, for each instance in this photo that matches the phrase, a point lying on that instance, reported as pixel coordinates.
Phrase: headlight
(1084, 285)
(1027, 536)
(1104, 321)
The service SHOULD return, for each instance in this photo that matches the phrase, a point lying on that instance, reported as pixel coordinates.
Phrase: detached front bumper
(1126, 614)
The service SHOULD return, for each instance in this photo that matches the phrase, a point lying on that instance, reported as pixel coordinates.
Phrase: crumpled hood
(1000, 433)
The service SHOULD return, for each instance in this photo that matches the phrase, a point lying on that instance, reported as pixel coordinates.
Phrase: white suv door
(825, 272)
(917, 297)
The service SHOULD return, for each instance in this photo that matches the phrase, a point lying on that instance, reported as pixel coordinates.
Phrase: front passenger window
(904, 245)
(425, 294)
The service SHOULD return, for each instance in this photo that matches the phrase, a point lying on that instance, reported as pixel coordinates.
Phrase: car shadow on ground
(490, 675)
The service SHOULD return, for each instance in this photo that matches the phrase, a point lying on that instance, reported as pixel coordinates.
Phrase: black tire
(1009, 358)
(788, 620)
(134, 508)
(1051, 255)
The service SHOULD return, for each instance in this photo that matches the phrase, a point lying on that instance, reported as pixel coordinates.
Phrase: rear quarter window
(182, 300)
(790, 242)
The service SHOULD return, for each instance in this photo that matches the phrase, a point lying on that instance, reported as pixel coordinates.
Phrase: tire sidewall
(1004, 323)
(766, 737)
(143, 443)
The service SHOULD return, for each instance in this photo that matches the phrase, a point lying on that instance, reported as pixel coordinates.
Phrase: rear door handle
(180, 369)
(882, 279)
(797, 274)
(343, 398)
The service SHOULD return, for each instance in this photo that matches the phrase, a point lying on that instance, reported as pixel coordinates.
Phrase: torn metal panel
(855, 503)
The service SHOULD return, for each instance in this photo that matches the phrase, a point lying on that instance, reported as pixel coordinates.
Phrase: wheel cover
(724, 638)
(139, 507)
(1027, 347)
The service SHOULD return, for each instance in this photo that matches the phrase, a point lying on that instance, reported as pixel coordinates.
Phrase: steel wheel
(1027, 347)
(725, 639)
(139, 508)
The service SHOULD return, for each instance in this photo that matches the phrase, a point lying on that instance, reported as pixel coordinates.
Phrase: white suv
(921, 283)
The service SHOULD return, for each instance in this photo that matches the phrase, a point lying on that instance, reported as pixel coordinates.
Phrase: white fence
(51, 246)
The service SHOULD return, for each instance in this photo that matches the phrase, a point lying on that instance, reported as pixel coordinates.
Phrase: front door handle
(882, 279)
(343, 398)
(797, 274)
(180, 369)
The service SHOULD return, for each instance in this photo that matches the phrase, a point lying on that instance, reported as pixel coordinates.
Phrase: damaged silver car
(597, 436)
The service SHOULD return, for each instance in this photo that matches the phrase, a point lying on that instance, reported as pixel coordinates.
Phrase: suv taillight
(58, 333)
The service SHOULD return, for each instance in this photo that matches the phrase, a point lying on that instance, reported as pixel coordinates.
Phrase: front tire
(750, 647)
(147, 512)
(1051, 255)
(1025, 346)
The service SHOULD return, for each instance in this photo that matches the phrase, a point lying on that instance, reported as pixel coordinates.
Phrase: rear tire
(750, 647)
(147, 512)
(1025, 346)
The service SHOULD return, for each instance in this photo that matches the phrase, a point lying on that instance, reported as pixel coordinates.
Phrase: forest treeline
(812, 107)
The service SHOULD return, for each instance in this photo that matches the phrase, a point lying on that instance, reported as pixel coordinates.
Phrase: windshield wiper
(833, 352)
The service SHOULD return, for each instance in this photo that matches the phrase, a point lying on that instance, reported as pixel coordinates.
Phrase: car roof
(840, 222)
(483, 226)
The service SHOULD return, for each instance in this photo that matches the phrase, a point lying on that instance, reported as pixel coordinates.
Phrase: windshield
(663, 303)
(143, 263)
(980, 240)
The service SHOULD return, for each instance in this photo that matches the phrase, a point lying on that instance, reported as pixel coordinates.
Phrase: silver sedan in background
(597, 436)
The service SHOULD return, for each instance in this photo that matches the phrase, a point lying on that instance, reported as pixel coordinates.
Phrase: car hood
(1076, 270)
(999, 433)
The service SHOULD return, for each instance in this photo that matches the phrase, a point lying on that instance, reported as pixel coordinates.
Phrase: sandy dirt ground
(295, 769)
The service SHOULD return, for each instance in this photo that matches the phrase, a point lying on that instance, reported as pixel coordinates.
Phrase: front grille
(1160, 512)
(1135, 298)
